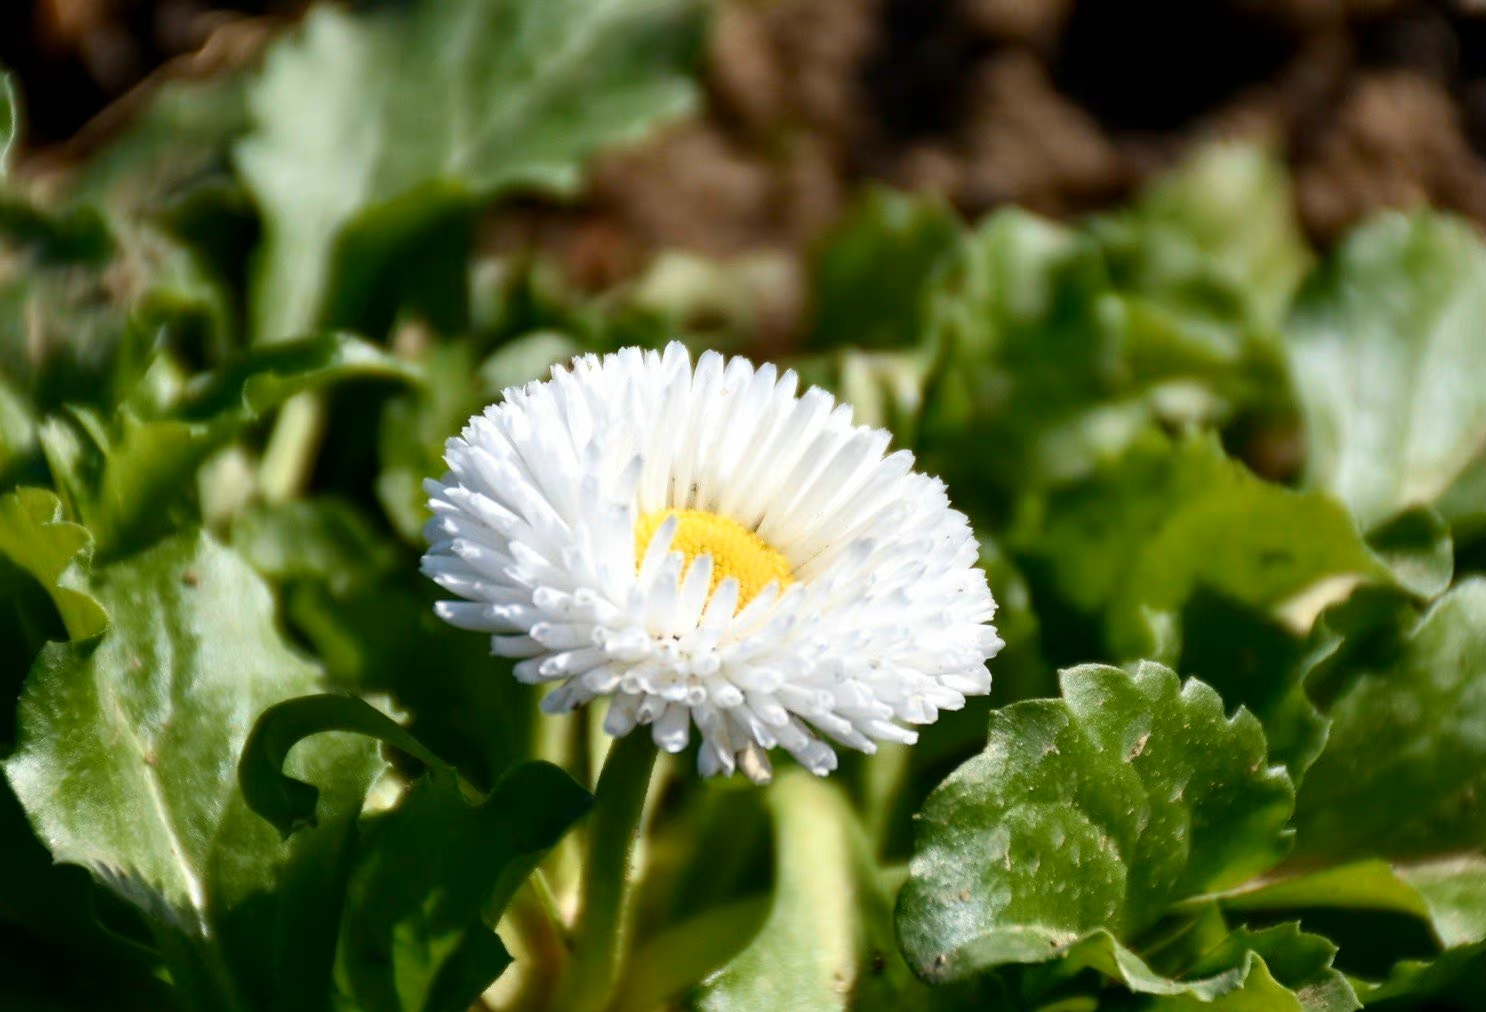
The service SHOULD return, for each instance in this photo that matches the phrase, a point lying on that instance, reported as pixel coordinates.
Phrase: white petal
(884, 622)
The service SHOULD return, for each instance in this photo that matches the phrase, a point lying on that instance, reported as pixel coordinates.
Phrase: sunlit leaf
(35, 537)
(1387, 348)
(1085, 820)
(373, 130)
(126, 765)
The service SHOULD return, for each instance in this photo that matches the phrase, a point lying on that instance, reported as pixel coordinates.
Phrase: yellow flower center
(736, 551)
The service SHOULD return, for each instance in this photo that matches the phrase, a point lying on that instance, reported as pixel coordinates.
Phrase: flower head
(709, 547)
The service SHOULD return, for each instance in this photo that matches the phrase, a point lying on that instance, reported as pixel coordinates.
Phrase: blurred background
(1060, 106)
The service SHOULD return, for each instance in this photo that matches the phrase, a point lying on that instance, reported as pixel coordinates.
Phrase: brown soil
(1060, 106)
(1063, 106)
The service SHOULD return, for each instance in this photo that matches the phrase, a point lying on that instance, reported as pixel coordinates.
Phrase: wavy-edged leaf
(1389, 818)
(1417, 547)
(1463, 506)
(125, 763)
(373, 129)
(1404, 772)
(1028, 387)
(1455, 980)
(1280, 969)
(1059, 348)
(1086, 816)
(35, 536)
(1256, 661)
(1387, 350)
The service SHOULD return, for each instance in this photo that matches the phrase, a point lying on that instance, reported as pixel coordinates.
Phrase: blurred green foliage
(233, 346)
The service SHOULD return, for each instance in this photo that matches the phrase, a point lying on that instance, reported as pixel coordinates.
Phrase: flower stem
(292, 447)
(601, 933)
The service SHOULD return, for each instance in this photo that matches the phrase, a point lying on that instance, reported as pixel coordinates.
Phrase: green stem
(292, 448)
(601, 933)
(543, 955)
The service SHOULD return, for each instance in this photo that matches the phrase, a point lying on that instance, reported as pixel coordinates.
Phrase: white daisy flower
(709, 547)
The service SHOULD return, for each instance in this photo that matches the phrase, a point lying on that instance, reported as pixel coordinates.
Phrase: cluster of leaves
(1197, 454)
(233, 342)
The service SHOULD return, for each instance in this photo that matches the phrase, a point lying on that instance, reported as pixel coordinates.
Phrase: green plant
(1230, 503)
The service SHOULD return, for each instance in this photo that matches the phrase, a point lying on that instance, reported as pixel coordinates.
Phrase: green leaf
(130, 486)
(18, 445)
(416, 424)
(434, 877)
(51, 925)
(827, 942)
(1276, 968)
(1389, 818)
(324, 540)
(267, 376)
(414, 427)
(59, 333)
(1048, 369)
(289, 803)
(674, 959)
(1463, 506)
(1218, 238)
(1381, 343)
(1025, 354)
(1454, 980)
(1417, 548)
(1282, 969)
(465, 704)
(9, 120)
(125, 764)
(1141, 537)
(871, 270)
(374, 129)
(1404, 773)
(59, 554)
(131, 481)
(1085, 820)
(1448, 894)
(1257, 662)
(173, 148)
